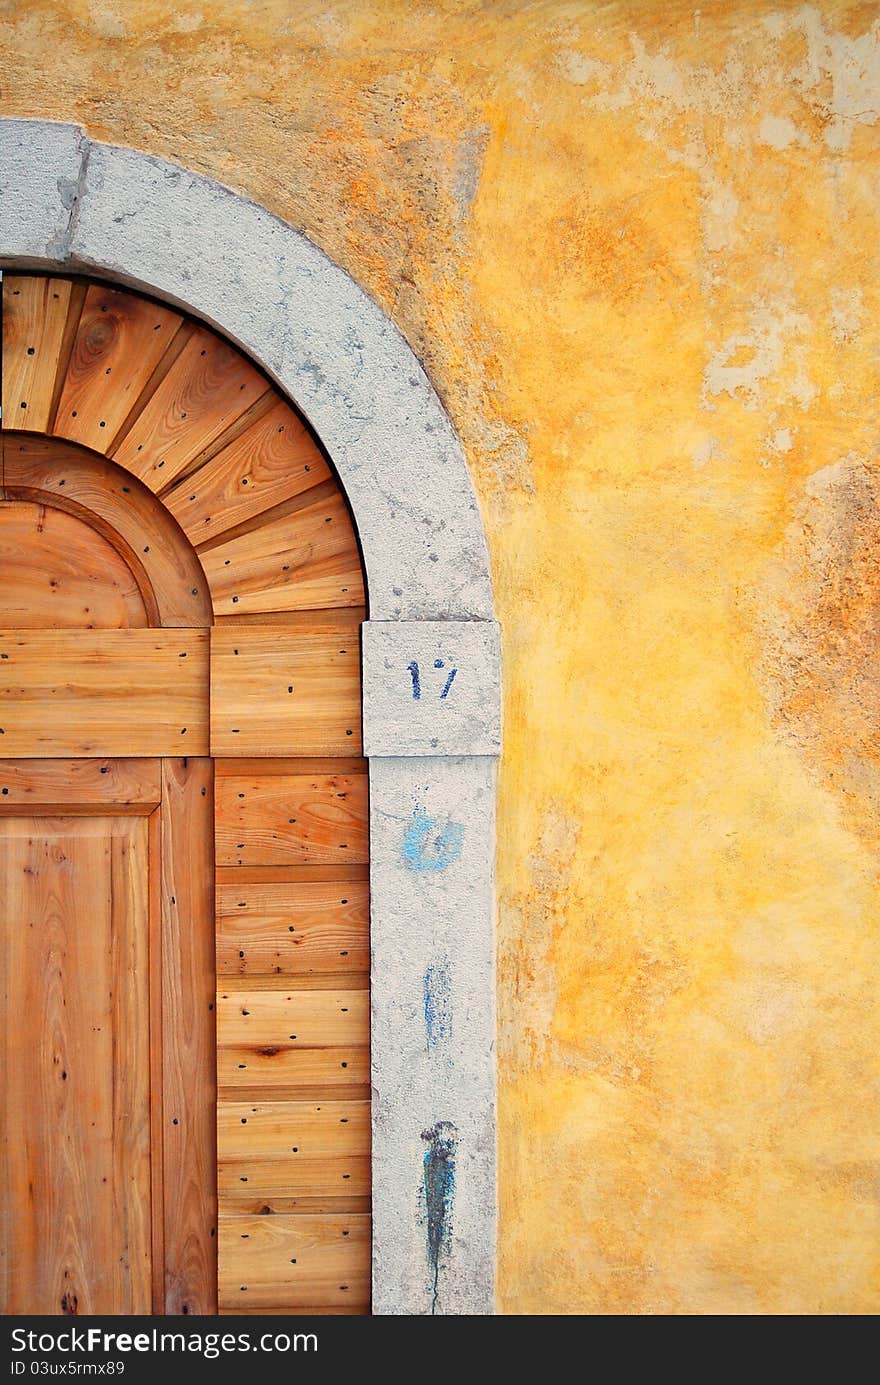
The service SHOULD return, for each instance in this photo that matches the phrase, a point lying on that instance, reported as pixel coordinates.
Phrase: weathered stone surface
(431, 688)
(433, 1032)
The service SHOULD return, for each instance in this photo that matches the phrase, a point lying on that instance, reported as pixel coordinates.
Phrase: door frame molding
(70, 204)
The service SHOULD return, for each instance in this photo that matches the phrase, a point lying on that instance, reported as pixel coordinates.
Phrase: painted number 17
(415, 675)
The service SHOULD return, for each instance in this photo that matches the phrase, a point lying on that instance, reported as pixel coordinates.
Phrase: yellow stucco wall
(636, 246)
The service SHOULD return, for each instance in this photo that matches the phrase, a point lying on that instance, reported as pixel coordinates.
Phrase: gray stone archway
(430, 651)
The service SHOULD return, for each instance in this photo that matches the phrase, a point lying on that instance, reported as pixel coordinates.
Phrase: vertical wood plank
(120, 340)
(129, 964)
(157, 1115)
(34, 317)
(188, 1037)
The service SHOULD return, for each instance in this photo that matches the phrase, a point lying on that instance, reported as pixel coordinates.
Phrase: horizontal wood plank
(282, 764)
(131, 693)
(72, 785)
(280, 929)
(304, 1260)
(302, 1019)
(278, 1129)
(332, 620)
(281, 693)
(285, 819)
(319, 1178)
(277, 1068)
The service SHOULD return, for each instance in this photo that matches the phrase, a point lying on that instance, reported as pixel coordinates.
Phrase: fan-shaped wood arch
(121, 418)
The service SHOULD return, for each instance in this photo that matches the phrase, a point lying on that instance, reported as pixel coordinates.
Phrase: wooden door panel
(207, 388)
(76, 1138)
(108, 1046)
(113, 501)
(271, 461)
(273, 930)
(278, 691)
(57, 572)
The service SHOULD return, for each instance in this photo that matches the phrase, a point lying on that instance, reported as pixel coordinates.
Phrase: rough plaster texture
(431, 688)
(636, 246)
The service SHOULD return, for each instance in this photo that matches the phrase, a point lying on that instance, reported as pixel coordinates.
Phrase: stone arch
(430, 652)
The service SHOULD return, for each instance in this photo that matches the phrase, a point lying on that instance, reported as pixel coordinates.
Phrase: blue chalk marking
(429, 845)
(438, 663)
(438, 1184)
(438, 1018)
(413, 670)
(449, 683)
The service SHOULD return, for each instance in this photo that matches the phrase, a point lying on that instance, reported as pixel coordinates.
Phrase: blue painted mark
(449, 683)
(438, 1017)
(438, 663)
(438, 1182)
(429, 844)
(413, 670)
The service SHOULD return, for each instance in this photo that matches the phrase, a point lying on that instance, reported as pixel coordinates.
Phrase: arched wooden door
(181, 802)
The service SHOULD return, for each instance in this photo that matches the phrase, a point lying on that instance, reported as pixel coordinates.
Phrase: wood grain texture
(76, 1221)
(283, 819)
(304, 1019)
(207, 388)
(284, 692)
(275, 1129)
(79, 785)
(304, 558)
(284, 1067)
(320, 1261)
(271, 461)
(206, 453)
(188, 1037)
(34, 319)
(57, 572)
(120, 339)
(103, 692)
(135, 520)
(286, 930)
(334, 871)
(322, 1181)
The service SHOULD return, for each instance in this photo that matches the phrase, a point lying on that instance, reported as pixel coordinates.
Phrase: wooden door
(107, 1031)
(172, 535)
(107, 1037)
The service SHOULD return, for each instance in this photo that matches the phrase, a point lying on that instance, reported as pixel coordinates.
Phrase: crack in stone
(71, 191)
